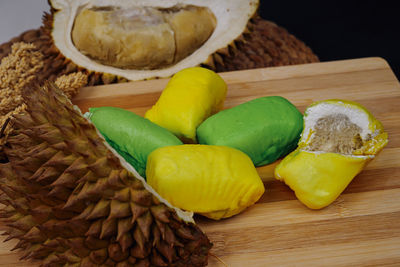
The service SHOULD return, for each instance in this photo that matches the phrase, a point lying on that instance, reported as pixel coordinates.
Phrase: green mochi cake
(131, 135)
(265, 128)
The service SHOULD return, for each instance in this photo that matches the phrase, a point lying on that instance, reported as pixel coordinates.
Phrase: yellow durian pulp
(141, 37)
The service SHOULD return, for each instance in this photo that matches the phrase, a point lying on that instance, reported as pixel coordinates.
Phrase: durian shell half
(71, 201)
(232, 18)
(262, 44)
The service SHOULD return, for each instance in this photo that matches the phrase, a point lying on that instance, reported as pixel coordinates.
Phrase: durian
(20, 69)
(70, 200)
(253, 42)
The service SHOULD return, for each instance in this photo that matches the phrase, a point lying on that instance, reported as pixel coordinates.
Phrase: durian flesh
(141, 37)
(169, 35)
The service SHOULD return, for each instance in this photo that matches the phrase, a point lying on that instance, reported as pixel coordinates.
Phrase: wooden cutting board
(361, 228)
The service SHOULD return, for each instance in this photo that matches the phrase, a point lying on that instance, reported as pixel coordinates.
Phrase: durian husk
(263, 44)
(18, 70)
(70, 201)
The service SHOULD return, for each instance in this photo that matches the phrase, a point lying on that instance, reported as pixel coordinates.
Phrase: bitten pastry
(265, 128)
(131, 135)
(191, 96)
(340, 137)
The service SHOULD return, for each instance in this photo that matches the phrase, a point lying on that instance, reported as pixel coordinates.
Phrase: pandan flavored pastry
(71, 201)
(340, 137)
(131, 135)
(215, 181)
(191, 96)
(265, 128)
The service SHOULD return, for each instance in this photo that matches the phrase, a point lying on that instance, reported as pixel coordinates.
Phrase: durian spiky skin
(70, 202)
(263, 44)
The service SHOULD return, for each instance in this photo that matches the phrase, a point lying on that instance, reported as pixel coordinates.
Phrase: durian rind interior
(344, 127)
(178, 33)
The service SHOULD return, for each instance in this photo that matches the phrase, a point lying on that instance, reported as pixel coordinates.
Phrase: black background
(337, 30)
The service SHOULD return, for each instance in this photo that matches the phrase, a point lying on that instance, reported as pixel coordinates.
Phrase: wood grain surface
(361, 228)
